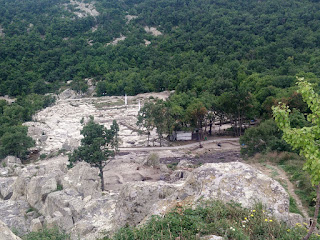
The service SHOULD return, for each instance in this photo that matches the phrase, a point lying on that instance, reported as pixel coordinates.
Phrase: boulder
(6, 187)
(5, 171)
(62, 221)
(6, 233)
(11, 161)
(67, 94)
(163, 168)
(136, 200)
(36, 225)
(38, 189)
(234, 181)
(8, 166)
(84, 179)
(240, 183)
(17, 215)
(97, 218)
(63, 205)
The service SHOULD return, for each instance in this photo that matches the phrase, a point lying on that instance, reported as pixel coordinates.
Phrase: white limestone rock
(6, 187)
(38, 189)
(84, 179)
(36, 225)
(6, 233)
(17, 215)
(234, 181)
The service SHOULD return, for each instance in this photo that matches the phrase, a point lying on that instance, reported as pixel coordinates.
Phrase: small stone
(36, 225)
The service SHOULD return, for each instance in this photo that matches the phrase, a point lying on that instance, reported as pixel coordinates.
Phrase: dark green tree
(16, 142)
(97, 147)
(196, 113)
(145, 119)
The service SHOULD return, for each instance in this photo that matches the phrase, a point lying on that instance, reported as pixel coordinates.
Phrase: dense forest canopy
(203, 47)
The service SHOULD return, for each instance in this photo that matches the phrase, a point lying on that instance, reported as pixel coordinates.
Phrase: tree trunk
(210, 128)
(315, 217)
(101, 176)
(148, 137)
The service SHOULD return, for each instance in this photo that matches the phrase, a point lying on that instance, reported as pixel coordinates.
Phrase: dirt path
(280, 175)
(221, 140)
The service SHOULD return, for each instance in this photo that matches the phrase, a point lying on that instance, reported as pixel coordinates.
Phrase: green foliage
(59, 187)
(47, 234)
(97, 147)
(154, 115)
(204, 45)
(13, 136)
(303, 139)
(15, 142)
(213, 218)
(262, 139)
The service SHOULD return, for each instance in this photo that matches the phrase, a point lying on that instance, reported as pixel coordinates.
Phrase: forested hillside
(205, 45)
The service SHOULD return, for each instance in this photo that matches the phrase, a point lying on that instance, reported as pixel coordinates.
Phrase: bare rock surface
(130, 17)
(2, 34)
(211, 237)
(6, 233)
(235, 181)
(84, 179)
(16, 216)
(154, 31)
(6, 187)
(83, 9)
(116, 40)
(135, 191)
(58, 127)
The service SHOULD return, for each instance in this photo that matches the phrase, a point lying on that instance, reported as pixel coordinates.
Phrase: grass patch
(47, 234)
(293, 208)
(230, 221)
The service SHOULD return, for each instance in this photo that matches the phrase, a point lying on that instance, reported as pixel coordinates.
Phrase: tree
(97, 147)
(262, 139)
(196, 112)
(305, 139)
(160, 118)
(16, 142)
(154, 115)
(145, 118)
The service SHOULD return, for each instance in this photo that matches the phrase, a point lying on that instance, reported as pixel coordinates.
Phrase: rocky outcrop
(235, 181)
(240, 183)
(17, 215)
(6, 187)
(6, 233)
(38, 189)
(84, 179)
(47, 194)
(9, 165)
